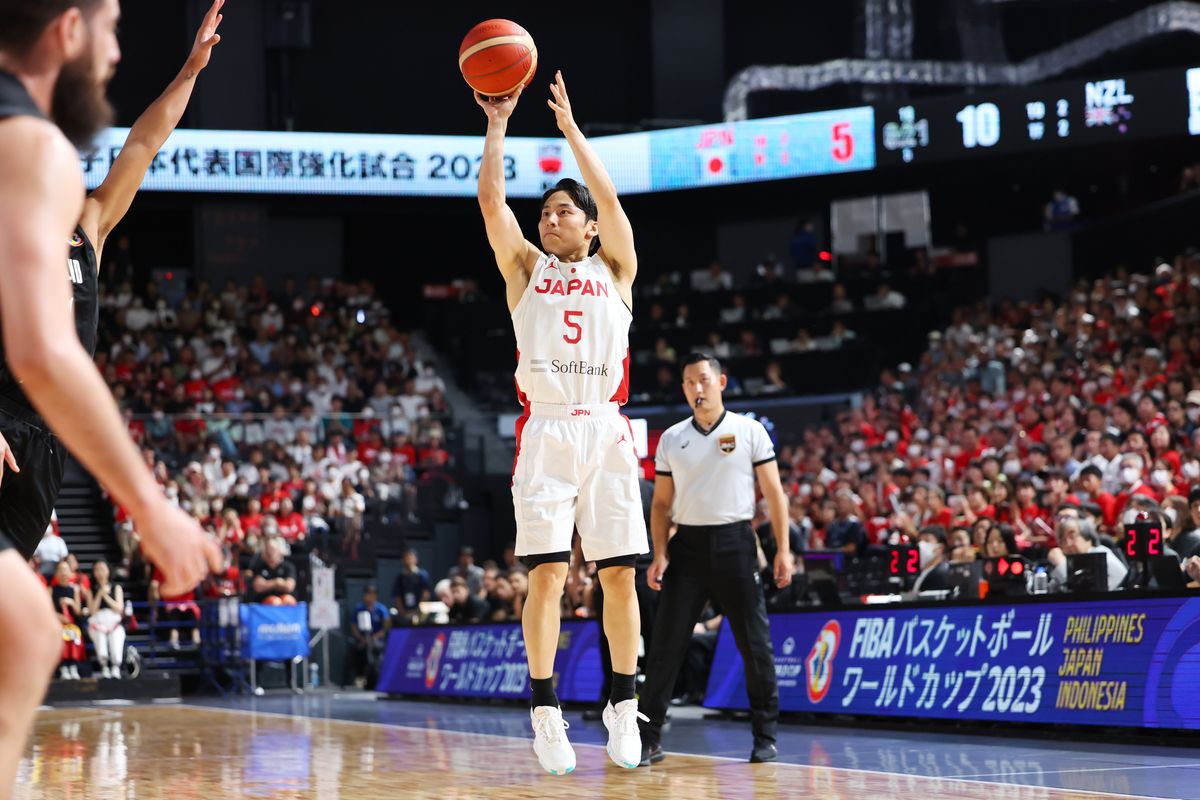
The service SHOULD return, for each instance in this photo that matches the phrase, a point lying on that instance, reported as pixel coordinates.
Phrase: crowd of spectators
(1031, 428)
(275, 414)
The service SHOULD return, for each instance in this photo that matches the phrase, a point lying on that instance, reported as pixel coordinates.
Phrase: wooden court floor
(186, 753)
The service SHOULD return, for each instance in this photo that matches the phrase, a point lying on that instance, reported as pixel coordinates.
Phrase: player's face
(702, 386)
(79, 106)
(564, 229)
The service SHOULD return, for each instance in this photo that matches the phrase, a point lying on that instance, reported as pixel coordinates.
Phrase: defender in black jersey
(56, 57)
(27, 497)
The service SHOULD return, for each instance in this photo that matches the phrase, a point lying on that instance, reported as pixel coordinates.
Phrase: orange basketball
(497, 57)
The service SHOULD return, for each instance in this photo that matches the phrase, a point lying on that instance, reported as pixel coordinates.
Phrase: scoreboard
(1106, 109)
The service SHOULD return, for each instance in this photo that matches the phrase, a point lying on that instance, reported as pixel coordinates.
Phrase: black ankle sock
(543, 692)
(624, 687)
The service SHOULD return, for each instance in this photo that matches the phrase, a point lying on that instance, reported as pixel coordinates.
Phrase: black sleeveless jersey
(84, 272)
(82, 267)
(14, 98)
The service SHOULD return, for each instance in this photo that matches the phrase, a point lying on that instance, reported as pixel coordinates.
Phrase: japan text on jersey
(572, 331)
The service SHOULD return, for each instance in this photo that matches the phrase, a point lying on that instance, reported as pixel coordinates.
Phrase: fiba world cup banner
(1130, 662)
(488, 661)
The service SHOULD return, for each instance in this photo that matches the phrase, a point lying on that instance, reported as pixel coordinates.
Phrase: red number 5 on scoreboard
(575, 326)
(843, 142)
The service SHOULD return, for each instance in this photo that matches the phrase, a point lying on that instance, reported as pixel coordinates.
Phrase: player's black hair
(697, 357)
(580, 195)
(22, 22)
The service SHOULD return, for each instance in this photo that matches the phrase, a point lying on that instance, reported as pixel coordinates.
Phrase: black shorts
(27, 497)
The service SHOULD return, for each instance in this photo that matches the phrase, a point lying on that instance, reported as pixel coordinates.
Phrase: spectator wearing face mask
(935, 570)
(1132, 468)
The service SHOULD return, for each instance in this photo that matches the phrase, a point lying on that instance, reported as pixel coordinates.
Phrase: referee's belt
(728, 527)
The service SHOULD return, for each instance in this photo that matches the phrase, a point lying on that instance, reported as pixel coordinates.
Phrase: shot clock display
(904, 561)
(1143, 541)
(1109, 108)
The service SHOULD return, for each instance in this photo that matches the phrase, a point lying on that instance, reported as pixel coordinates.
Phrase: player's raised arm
(108, 205)
(514, 254)
(616, 234)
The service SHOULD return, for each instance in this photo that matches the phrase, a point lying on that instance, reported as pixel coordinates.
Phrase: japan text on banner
(285, 162)
(274, 633)
(1098, 663)
(488, 661)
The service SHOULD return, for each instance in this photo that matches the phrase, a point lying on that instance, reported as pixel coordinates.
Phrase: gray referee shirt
(713, 471)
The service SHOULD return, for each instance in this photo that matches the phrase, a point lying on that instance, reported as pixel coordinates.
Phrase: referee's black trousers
(717, 562)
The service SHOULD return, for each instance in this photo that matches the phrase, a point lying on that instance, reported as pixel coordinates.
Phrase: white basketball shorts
(576, 468)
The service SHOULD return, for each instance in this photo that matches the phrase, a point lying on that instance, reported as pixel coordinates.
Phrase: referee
(705, 471)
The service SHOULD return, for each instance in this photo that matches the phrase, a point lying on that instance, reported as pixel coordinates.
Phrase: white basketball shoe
(624, 737)
(550, 740)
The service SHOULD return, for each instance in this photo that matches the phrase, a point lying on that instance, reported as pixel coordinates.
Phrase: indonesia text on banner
(1103, 663)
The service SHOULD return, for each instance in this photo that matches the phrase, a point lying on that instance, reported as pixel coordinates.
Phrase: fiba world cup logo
(818, 667)
(434, 660)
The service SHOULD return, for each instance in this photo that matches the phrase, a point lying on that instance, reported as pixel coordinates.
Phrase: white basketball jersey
(572, 332)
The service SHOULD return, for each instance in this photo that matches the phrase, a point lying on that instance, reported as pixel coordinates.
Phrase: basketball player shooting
(571, 303)
(56, 57)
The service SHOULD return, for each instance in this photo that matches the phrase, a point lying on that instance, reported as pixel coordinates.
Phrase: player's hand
(785, 567)
(7, 459)
(654, 575)
(561, 104)
(178, 546)
(206, 38)
(498, 109)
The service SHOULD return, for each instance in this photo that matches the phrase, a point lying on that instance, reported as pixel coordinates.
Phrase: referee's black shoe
(763, 752)
(652, 754)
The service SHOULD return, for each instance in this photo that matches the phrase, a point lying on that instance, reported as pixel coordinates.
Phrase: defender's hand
(206, 38)
(177, 545)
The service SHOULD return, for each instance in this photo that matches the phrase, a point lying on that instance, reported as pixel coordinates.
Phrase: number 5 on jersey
(574, 326)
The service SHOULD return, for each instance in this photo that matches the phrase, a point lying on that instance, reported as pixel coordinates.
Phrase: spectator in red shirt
(403, 450)
(938, 513)
(1034, 521)
(370, 447)
(230, 531)
(1091, 483)
(292, 526)
(226, 583)
(252, 520)
(272, 496)
(978, 504)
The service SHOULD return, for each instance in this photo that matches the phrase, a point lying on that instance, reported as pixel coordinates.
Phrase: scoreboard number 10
(980, 125)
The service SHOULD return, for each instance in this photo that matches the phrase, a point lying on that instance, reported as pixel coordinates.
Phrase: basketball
(497, 57)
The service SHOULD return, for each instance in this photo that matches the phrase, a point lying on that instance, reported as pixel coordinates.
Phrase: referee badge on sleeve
(728, 444)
